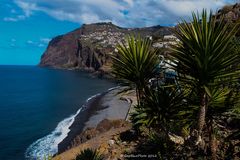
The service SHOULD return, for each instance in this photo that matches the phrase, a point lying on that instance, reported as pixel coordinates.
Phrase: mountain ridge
(90, 46)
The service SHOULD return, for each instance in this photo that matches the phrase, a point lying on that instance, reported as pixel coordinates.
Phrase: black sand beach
(107, 105)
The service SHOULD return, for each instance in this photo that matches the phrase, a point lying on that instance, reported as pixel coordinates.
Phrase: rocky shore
(111, 105)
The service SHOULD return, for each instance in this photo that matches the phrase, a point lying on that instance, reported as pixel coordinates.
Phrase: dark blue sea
(37, 105)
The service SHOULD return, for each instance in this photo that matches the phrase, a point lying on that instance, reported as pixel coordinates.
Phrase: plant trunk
(138, 96)
(213, 142)
(201, 116)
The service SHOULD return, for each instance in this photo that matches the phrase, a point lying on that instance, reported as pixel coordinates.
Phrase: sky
(26, 26)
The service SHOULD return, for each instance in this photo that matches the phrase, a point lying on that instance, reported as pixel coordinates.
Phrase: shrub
(89, 154)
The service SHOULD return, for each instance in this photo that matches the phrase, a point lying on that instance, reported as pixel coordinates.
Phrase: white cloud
(42, 42)
(13, 40)
(30, 42)
(139, 12)
(13, 11)
(41, 45)
(15, 19)
(167, 12)
(185, 7)
(130, 2)
(45, 40)
(10, 19)
(28, 8)
(12, 45)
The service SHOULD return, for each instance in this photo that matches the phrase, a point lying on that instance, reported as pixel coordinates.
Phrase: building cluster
(166, 41)
(104, 38)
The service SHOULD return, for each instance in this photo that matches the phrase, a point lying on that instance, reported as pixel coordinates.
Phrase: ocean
(37, 105)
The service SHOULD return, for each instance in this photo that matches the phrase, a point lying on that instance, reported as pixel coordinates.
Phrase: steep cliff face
(231, 14)
(90, 47)
(61, 51)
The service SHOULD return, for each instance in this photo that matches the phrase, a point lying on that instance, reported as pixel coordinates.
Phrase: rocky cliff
(231, 14)
(90, 47)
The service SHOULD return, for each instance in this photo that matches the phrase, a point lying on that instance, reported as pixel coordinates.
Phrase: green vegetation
(187, 117)
(206, 59)
(48, 157)
(135, 63)
(161, 106)
(89, 154)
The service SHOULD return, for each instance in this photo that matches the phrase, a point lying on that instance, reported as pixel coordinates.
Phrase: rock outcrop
(231, 14)
(103, 126)
(90, 47)
(109, 138)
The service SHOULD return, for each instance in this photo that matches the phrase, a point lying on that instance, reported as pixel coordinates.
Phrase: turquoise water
(37, 105)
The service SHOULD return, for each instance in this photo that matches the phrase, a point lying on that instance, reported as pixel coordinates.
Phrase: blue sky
(26, 26)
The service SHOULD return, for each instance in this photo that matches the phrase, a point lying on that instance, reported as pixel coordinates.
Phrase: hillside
(230, 13)
(90, 47)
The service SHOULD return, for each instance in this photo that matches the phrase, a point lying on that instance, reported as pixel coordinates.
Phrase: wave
(96, 95)
(90, 98)
(110, 89)
(48, 145)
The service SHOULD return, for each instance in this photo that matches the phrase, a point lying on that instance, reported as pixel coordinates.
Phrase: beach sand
(108, 105)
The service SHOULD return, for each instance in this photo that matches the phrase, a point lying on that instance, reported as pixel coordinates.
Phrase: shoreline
(106, 105)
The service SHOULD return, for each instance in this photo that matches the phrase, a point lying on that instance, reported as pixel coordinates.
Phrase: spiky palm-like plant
(89, 154)
(205, 57)
(162, 108)
(222, 101)
(135, 62)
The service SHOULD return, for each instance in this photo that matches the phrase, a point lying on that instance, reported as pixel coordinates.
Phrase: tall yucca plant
(162, 108)
(205, 57)
(135, 62)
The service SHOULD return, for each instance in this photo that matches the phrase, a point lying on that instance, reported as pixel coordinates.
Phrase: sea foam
(48, 145)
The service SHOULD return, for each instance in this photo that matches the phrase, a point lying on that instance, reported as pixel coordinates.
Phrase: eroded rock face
(61, 51)
(231, 14)
(90, 47)
(103, 126)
